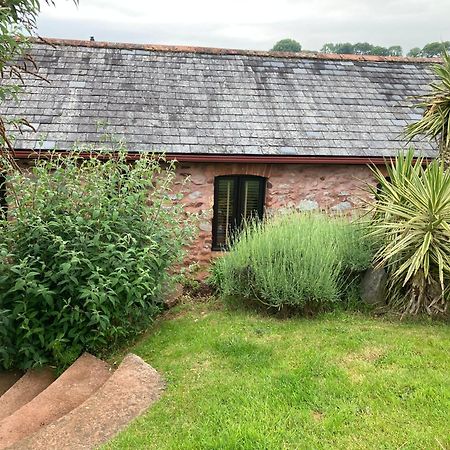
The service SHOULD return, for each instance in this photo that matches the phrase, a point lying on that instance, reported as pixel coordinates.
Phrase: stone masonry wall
(339, 188)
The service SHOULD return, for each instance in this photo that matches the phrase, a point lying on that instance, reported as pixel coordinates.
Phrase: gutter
(242, 159)
(276, 159)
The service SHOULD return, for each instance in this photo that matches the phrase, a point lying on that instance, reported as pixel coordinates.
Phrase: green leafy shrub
(84, 255)
(411, 221)
(308, 261)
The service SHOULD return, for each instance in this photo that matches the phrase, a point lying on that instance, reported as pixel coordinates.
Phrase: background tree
(327, 48)
(430, 50)
(435, 122)
(287, 45)
(341, 48)
(361, 48)
(435, 49)
(395, 50)
(378, 50)
(414, 52)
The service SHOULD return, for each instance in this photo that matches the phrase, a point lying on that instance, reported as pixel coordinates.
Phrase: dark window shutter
(236, 199)
(251, 196)
(225, 210)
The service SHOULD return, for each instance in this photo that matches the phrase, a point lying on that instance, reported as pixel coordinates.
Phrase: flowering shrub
(84, 255)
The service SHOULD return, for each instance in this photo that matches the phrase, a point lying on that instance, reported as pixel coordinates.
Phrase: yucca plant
(411, 222)
(435, 122)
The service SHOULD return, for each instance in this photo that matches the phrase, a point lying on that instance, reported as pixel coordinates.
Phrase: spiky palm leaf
(435, 122)
(412, 222)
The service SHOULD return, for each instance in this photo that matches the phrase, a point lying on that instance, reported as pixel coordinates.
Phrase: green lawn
(239, 379)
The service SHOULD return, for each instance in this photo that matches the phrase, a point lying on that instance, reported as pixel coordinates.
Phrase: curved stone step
(24, 390)
(73, 387)
(7, 379)
(132, 388)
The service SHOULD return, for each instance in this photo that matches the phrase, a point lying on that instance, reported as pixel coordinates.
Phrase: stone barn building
(255, 131)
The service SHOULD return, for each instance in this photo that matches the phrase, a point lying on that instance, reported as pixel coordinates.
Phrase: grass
(244, 380)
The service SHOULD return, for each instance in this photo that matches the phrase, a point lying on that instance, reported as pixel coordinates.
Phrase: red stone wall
(338, 188)
(332, 187)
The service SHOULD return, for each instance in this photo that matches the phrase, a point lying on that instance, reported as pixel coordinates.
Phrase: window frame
(238, 200)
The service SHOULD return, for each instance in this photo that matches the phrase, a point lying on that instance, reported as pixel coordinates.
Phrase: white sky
(252, 24)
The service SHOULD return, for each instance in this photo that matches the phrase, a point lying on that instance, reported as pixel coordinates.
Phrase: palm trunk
(444, 151)
(445, 156)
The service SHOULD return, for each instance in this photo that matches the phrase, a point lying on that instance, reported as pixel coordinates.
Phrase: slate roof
(195, 100)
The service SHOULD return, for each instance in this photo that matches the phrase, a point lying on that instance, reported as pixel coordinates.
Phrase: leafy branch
(435, 122)
(18, 23)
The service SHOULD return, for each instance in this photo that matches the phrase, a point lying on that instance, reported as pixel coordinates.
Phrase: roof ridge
(227, 51)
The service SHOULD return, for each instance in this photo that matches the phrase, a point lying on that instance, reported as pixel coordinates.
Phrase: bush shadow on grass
(284, 312)
(253, 306)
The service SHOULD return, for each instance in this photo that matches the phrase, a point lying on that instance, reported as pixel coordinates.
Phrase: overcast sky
(251, 24)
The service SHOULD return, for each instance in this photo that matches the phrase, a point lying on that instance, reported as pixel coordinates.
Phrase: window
(3, 202)
(236, 198)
